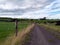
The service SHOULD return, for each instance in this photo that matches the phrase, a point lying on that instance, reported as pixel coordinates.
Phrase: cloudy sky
(34, 9)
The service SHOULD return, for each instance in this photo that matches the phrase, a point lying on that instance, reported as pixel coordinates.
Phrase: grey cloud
(27, 2)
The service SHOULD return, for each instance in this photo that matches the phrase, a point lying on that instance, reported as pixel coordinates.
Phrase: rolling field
(8, 28)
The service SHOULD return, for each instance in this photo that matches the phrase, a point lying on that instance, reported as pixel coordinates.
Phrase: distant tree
(43, 18)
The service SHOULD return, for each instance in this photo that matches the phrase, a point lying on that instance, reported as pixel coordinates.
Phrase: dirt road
(39, 36)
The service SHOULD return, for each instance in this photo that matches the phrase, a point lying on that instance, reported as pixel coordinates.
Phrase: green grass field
(8, 28)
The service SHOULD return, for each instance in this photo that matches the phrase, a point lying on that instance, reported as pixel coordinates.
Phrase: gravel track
(39, 36)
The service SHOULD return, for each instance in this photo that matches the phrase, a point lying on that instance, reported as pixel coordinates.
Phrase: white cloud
(2, 1)
(29, 15)
(57, 16)
(42, 8)
(54, 6)
(33, 15)
(10, 4)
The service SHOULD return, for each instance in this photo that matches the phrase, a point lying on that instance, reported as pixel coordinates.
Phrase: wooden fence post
(16, 26)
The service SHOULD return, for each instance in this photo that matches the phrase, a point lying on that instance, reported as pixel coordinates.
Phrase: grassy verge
(7, 30)
(24, 36)
(27, 39)
(53, 29)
